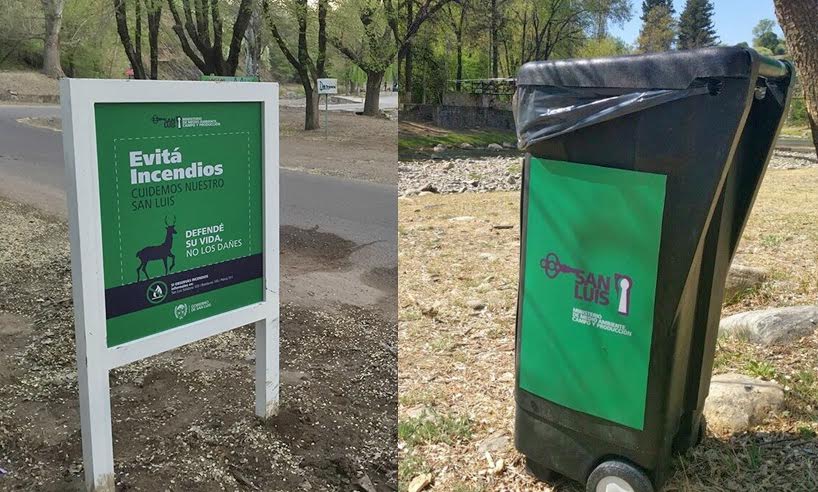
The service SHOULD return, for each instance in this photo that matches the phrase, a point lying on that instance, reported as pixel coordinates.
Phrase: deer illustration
(159, 252)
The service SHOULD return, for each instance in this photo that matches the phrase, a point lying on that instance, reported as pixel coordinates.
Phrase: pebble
(476, 304)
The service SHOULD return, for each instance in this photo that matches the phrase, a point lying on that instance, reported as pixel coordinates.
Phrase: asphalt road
(32, 172)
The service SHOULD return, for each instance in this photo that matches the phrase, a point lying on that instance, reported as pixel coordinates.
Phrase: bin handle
(772, 68)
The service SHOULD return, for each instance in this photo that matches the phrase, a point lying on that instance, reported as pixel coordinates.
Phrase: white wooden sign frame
(94, 358)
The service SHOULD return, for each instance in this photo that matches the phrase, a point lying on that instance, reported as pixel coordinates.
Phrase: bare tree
(798, 19)
(133, 47)
(308, 70)
(200, 16)
(51, 46)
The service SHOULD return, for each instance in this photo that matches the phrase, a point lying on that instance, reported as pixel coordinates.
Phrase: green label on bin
(591, 258)
(181, 207)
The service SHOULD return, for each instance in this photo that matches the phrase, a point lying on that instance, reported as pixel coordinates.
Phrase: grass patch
(410, 466)
(771, 240)
(476, 138)
(414, 137)
(434, 429)
(796, 131)
(760, 369)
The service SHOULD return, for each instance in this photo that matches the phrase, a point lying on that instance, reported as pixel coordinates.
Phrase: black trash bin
(639, 176)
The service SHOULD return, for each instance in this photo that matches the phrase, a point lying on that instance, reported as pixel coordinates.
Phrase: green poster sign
(591, 256)
(180, 188)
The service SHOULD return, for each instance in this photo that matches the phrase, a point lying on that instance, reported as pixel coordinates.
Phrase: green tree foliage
(607, 46)
(21, 32)
(765, 37)
(364, 34)
(608, 11)
(458, 44)
(696, 28)
(648, 5)
(658, 31)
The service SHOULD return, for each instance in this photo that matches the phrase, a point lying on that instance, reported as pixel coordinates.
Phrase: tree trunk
(51, 50)
(459, 77)
(408, 68)
(154, 20)
(311, 115)
(373, 93)
(494, 28)
(407, 60)
(121, 17)
(798, 19)
(253, 44)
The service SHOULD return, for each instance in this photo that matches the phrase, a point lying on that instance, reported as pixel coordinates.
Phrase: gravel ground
(183, 420)
(504, 173)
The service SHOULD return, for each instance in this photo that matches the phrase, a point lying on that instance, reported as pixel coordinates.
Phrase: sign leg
(95, 420)
(267, 369)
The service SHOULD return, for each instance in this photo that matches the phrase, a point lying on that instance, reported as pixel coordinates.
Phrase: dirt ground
(362, 147)
(184, 420)
(26, 83)
(457, 299)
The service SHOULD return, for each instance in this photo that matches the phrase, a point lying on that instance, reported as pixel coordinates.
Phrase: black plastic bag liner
(557, 97)
(543, 112)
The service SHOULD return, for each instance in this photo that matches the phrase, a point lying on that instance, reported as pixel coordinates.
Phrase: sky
(734, 19)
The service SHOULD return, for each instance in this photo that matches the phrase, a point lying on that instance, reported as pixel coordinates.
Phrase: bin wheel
(618, 476)
(539, 471)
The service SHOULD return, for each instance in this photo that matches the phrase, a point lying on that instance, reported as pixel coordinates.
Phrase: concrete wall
(458, 117)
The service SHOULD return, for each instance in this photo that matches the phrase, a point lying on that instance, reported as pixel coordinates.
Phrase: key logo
(590, 286)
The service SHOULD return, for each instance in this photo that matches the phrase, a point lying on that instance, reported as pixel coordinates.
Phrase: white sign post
(327, 87)
(186, 123)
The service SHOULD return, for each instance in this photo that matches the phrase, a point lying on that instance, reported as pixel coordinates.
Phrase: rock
(742, 279)
(439, 148)
(476, 304)
(448, 166)
(738, 402)
(496, 442)
(466, 146)
(462, 218)
(420, 412)
(484, 287)
(511, 180)
(420, 482)
(772, 326)
(365, 484)
(430, 311)
(494, 146)
(428, 187)
(509, 145)
(293, 378)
